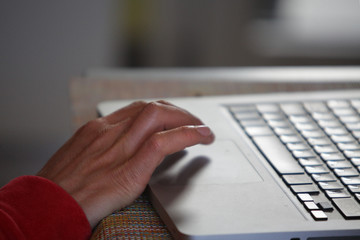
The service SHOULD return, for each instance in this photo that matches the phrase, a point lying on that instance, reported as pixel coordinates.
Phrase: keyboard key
(331, 186)
(284, 131)
(278, 124)
(316, 107)
(242, 108)
(297, 179)
(323, 116)
(352, 154)
(291, 139)
(338, 164)
(344, 112)
(338, 104)
(350, 119)
(337, 193)
(317, 169)
(353, 126)
(324, 177)
(310, 162)
(297, 146)
(312, 134)
(355, 161)
(356, 134)
(277, 154)
(268, 108)
(311, 206)
(252, 122)
(259, 131)
(319, 141)
(347, 172)
(293, 109)
(326, 149)
(332, 156)
(336, 131)
(319, 215)
(348, 207)
(305, 197)
(354, 188)
(300, 119)
(325, 206)
(273, 116)
(329, 124)
(304, 154)
(247, 116)
(349, 146)
(343, 138)
(308, 188)
(306, 126)
(355, 103)
(351, 180)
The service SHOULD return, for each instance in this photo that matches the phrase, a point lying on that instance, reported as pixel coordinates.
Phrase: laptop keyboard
(314, 147)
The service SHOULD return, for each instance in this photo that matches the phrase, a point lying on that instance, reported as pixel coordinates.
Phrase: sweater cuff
(43, 210)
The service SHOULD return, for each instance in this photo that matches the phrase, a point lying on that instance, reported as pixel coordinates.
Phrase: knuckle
(139, 103)
(92, 128)
(96, 125)
(163, 102)
(152, 109)
(187, 133)
(155, 143)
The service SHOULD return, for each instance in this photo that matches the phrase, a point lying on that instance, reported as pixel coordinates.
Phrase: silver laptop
(283, 167)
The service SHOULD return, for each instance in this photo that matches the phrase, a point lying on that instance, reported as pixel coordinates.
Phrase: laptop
(284, 166)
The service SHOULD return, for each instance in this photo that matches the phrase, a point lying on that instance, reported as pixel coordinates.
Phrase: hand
(108, 162)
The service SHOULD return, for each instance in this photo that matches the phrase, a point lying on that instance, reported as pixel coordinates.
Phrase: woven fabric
(138, 221)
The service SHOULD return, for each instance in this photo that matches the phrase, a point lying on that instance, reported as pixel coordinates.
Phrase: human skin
(108, 162)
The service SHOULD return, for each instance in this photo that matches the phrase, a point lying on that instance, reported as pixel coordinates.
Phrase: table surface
(140, 220)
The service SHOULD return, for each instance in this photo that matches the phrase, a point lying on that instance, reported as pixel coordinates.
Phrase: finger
(170, 104)
(153, 118)
(131, 111)
(141, 166)
(123, 113)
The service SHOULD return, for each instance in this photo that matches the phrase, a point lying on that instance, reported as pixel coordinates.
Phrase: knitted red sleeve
(35, 208)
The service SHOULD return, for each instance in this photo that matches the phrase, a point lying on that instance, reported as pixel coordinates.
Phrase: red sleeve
(36, 208)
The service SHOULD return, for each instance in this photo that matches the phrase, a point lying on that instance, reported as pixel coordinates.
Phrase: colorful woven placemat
(138, 221)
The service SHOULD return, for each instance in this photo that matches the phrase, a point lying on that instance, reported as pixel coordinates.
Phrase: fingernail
(204, 130)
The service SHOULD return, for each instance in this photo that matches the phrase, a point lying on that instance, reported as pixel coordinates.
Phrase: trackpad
(219, 163)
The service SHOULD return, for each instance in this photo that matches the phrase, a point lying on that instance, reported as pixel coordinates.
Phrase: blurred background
(44, 43)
